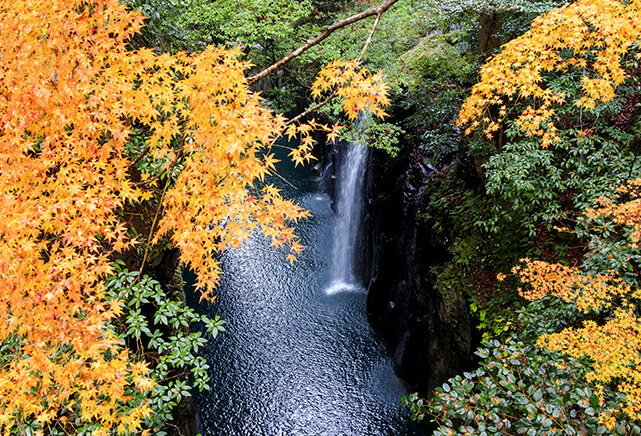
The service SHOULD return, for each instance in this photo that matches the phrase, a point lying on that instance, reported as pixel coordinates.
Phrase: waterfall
(348, 216)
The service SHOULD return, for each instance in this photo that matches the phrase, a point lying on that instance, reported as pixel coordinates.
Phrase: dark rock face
(185, 421)
(428, 333)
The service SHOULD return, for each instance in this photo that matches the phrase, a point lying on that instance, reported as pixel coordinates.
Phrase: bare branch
(369, 38)
(378, 10)
(171, 166)
(293, 76)
(284, 179)
(140, 155)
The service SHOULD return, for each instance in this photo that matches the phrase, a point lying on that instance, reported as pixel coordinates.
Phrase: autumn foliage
(592, 36)
(71, 91)
(596, 39)
(614, 345)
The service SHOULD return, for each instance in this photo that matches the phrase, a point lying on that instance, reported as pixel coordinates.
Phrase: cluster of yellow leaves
(215, 203)
(587, 292)
(626, 214)
(70, 90)
(595, 33)
(63, 176)
(358, 89)
(304, 131)
(613, 346)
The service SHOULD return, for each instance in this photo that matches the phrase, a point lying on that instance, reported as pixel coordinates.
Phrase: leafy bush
(520, 388)
(152, 317)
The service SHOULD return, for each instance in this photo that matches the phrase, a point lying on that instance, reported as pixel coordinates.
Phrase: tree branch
(360, 57)
(175, 162)
(378, 10)
(312, 109)
(369, 38)
(293, 76)
(140, 156)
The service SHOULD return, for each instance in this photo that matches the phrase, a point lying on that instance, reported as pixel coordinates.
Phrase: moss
(435, 57)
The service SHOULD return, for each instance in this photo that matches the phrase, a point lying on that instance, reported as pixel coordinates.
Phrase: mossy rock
(434, 57)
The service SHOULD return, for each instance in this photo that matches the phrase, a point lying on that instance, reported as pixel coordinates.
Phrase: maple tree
(614, 346)
(590, 36)
(593, 42)
(554, 133)
(71, 94)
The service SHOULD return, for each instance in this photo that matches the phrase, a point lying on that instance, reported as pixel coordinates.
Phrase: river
(298, 356)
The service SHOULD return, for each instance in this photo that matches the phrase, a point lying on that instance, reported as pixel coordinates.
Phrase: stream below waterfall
(298, 356)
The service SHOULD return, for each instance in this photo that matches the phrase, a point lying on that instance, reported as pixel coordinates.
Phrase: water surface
(296, 359)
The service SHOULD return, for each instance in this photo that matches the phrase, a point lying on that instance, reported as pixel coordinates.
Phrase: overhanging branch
(378, 10)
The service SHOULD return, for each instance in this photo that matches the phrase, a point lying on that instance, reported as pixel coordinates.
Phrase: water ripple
(298, 357)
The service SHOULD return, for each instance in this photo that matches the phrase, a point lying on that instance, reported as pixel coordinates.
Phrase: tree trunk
(491, 23)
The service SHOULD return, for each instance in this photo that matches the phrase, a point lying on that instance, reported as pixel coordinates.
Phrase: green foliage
(436, 56)
(437, 70)
(155, 319)
(243, 23)
(376, 134)
(519, 389)
(506, 198)
(193, 24)
(455, 213)
(522, 389)
(435, 76)
(138, 141)
(444, 16)
(557, 183)
(495, 326)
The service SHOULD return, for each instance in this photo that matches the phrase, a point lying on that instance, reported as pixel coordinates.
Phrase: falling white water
(348, 217)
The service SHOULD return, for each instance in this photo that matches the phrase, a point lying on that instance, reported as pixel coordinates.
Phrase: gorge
(299, 357)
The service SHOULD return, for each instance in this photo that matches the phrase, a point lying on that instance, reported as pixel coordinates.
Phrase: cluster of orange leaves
(614, 346)
(70, 89)
(595, 33)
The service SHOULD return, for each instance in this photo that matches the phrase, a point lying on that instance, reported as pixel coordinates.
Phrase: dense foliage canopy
(80, 112)
(553, 130)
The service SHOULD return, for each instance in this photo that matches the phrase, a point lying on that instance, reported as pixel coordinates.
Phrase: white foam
(338, 287)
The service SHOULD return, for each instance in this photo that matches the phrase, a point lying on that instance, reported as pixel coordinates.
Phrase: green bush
(155, 319)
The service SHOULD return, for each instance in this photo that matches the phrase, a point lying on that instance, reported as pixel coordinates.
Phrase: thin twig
(293, 76)
(328, 31)
(163, 172)
(140, 156)
(151, 229)
(281, 146)
(179, 154)
(285, 180)
(369, 38)
(148, 147)
(145, 254)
